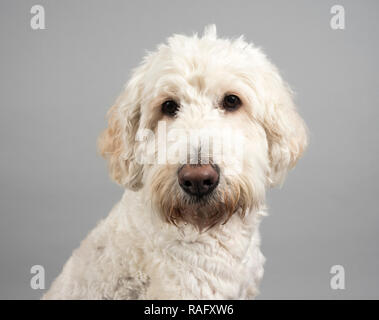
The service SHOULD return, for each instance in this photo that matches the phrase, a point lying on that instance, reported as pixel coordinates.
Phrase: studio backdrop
(62, 65)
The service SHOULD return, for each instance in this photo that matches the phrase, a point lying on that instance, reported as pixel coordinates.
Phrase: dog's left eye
(170, 107)
(231, 102)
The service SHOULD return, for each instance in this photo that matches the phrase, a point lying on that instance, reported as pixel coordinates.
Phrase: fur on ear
(285, 129)
(117, 143)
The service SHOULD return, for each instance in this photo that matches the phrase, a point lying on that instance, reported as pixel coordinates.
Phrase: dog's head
(204, 126)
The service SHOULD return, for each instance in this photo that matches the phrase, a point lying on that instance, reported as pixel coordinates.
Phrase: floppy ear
(117, 143)
(285, 129)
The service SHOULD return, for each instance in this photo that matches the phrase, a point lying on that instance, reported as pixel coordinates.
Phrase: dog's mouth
(205, 212)
(203, 200)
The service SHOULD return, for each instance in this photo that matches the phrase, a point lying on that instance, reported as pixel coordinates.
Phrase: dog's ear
(285, 129)
(117, 143)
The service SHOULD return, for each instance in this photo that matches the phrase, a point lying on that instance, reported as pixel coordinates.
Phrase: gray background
(57, 84)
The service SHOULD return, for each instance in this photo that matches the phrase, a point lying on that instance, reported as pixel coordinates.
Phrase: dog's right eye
(231, 102)
(170, 107)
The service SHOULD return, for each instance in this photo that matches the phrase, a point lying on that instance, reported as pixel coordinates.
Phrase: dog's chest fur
(134, 255)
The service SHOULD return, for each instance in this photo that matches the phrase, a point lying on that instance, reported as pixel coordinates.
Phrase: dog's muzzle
(198, 180)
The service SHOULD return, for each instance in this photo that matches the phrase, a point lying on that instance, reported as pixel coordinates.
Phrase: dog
(187, 226)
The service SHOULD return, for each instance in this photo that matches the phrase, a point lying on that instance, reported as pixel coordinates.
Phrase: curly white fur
(156, 243)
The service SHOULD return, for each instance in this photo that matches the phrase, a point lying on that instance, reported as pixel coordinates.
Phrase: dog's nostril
(198, 180)
(207, 182)
(187, 183)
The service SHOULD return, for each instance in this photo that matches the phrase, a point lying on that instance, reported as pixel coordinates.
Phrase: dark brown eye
(231, 102)
(170, 108)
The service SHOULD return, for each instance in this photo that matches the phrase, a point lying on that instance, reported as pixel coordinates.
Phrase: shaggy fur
(158, 242)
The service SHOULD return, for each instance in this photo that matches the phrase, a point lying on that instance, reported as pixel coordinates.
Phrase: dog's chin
(205, 212)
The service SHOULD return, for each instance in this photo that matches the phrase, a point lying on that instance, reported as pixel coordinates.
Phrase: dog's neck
(183, 255)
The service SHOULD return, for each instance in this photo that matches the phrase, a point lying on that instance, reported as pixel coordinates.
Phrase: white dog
(187, 225)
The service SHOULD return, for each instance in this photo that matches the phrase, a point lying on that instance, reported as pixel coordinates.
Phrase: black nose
(198, 180)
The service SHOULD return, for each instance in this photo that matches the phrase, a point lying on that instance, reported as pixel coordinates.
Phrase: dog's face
(204, 126)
